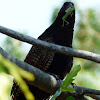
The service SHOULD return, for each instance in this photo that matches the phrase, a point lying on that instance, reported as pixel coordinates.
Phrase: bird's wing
(39, 57)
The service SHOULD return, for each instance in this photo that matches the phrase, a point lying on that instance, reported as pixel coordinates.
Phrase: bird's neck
(65, 33)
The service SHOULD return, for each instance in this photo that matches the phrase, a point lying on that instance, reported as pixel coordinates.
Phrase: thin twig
(83, 90)
(61, 49)
(96, 97)
(95, 94)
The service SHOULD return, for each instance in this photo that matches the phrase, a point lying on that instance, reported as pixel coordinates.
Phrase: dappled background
(86, 37)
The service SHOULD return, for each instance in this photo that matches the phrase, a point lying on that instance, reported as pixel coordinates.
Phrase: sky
(32, 16)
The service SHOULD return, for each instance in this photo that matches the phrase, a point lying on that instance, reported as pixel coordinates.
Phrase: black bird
(61, 33)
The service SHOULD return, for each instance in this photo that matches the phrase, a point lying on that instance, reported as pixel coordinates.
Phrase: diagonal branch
(61, 49)
(48, 83)
(43, 80)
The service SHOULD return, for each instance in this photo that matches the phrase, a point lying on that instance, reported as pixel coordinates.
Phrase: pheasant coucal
(61, 33)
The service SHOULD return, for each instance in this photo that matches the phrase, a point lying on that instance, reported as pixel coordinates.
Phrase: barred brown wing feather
(39, 57)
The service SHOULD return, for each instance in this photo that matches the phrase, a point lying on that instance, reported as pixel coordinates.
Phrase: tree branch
(95, 94)
(61, 49)
(48, 83)
(96, 97)
(83, 90)
(43, 80)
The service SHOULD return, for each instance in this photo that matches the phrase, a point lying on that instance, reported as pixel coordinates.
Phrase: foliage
(67, 81)
(86, 37)
(94, 20)
(7, 67)
(70, 98)
(14, 47)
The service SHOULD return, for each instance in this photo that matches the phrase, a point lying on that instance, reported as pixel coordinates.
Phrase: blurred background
(32, 17)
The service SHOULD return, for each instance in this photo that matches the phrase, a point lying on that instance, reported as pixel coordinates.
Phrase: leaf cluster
(7, 67)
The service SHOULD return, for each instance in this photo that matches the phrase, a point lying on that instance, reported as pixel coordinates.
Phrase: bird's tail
(18, 95)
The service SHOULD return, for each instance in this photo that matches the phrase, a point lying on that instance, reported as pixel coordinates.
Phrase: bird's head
(67, 13)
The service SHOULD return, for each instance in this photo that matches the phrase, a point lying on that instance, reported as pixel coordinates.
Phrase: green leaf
(18, 74)
(70, 98)
(2, 69)
(58, 92)
(68, 80)
(70, 77)
(67, 89)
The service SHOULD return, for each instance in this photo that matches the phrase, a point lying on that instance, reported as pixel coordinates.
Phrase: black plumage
(48, 61)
